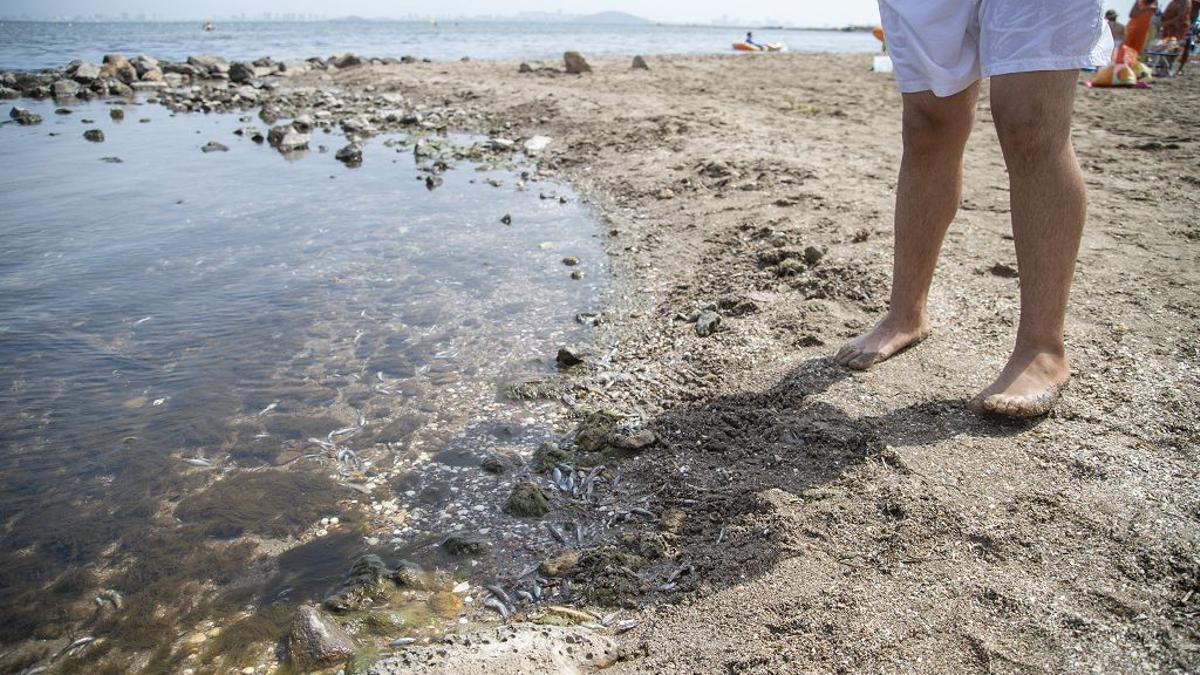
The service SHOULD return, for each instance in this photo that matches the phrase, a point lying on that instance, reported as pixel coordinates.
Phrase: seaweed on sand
(270, 503)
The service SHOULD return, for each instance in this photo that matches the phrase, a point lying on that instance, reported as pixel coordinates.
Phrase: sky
(795, 12)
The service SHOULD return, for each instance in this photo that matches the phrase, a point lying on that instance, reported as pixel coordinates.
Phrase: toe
(863, 360)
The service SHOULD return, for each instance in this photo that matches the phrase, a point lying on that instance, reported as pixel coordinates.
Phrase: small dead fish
(324, 444)
(721, 535)
(556, 476)
(525, 595)
(112, 597)
(158, 402)
(556, 534)
(667, 587)
(578, 532)
(197, 461)
(494, 604)
(643, 512)
(402, 642)
(347, 456)
(142, 321)
(76, 645)
(268, 409)
(626, 626)
(537, 590)
(341, 432)
(686, 569)
(500, 594)
(362, 420)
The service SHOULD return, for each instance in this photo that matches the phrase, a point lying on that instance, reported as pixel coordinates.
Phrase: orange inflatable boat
(768, 47)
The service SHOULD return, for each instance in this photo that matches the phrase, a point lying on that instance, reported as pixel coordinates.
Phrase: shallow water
(183, 316)
(31, 45)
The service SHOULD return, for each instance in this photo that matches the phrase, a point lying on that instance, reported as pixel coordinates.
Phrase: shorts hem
(939, 89)
(1041, 65)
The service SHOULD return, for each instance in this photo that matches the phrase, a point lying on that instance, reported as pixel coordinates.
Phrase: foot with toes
(1029, 385)
(889, 337)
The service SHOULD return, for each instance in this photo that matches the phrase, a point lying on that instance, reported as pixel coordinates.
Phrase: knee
(1030, 136)
(930, 132)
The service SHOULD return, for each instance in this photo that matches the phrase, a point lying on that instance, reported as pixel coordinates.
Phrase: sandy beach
(868, 522)
(800, 517)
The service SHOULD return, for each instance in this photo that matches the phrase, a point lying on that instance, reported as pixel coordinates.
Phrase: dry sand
(867, 521)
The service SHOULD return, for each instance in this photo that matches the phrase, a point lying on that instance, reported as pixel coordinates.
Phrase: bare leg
(1048, 200)
(927, 197)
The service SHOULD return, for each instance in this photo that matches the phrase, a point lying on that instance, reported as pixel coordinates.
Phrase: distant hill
(613, 17)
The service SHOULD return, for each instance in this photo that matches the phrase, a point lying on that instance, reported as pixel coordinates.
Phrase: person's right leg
(927, 196)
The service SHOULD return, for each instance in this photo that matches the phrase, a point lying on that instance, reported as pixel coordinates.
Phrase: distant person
(1176, 20)
(941, 49)
(750, 40)
(1138, 28)
(1116, 27)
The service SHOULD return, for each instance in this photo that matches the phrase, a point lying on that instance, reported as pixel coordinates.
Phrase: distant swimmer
(208, 27)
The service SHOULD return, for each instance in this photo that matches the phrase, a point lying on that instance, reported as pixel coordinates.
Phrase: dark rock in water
(527, 501)
(112, 160)
(639, 63)
(24, 116)
(304, 124)
(408, 58)
(241, 72)
(368, 583)
(495, 464)
(570, 261)
(576, 64)
(286, 138)
(433, 182)
(507, 219)
(94, 135)
(708, 323)
(568, 357)
(409, 575)
(547, 455)
(350, 155)
(577, 275)
(213, 146)
(462, 544)
(559, 564)
(116, 114)
(63, 111)
(64, 89)
(316, 641)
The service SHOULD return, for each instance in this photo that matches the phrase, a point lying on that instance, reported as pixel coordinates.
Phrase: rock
(495, 464)
(116, 114)
(94, 135)
(86, 73)
(118, 67)
(24, 116)
(501, 144)
(531, 67)
(537, 144)
(153, 76)
(665, 193)
(639, 63)
(577, 275)
(506, 219)
(316, 641)
(444, 603)
(213, 146)
(635, 441)
(517, 648)
(144, 64)
(63, 111)
(241, 72)
(560, 563)
(112, 160)
(707, 323)
(576, 64)
(294, 67)
(409, 575)
(64, 89)
(304, 124)
(527, 501)
(593, 431)
(286, 139)
(467, 545)
(433, 182)
(209, 65)
(546, 456)
(346, 60)
(813, 255)
(8, 94)
(568, 357)
(368, 583)
(350, 155)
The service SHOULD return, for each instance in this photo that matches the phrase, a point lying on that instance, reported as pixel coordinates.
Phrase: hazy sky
(801, 12)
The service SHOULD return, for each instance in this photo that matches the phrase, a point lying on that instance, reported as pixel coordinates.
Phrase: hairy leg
(1048, 200)
(927, 197)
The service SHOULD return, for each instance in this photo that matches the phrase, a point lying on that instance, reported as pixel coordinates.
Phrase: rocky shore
(724, 498)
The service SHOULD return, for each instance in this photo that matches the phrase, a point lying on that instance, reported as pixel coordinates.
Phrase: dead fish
(142, 321)
(347, 456)
(402, 642)
(643, 512)
(666, 587)
(77, 645)
(492, 603)
(197, 461)
(112, 597)
(686, 569)
(556, 476)
(500, 594)
(324, 444)
(362, 420)
(341, 432)
(268, 409)
(626, 626)
(556, 534)
(578, 532)
(525, 595)
(537, 590)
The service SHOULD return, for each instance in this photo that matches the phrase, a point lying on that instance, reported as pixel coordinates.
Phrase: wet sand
(793, 516)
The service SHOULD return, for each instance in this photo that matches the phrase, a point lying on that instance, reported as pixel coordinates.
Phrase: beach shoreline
(800, 517)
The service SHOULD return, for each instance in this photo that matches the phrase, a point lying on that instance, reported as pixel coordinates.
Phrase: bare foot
(1029, 385)
(889, 337)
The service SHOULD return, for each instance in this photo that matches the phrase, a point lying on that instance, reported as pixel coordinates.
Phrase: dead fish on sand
(494, 604)
(268, 409)
(197, 461)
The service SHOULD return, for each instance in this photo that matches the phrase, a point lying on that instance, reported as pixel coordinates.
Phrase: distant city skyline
(754, 12)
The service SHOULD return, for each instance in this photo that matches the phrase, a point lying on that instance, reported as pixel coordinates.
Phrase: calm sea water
(42, 45)
(189, 340)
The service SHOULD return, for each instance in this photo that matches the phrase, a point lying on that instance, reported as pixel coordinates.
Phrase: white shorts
(944, 45)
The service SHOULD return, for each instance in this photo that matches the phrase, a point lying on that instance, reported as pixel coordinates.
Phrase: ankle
(907, 319)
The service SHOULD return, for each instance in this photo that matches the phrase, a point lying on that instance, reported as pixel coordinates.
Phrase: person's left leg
(1032, 112)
